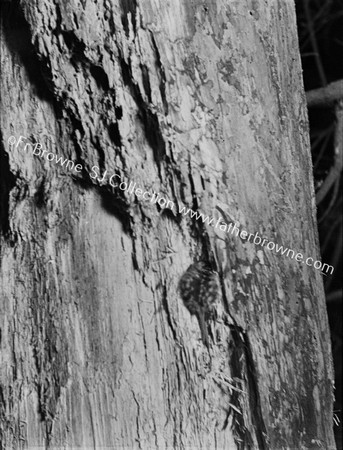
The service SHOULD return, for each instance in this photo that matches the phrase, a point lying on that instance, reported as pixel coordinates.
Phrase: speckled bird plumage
(200, 291)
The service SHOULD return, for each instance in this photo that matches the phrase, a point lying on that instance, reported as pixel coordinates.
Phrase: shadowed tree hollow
(117, 117)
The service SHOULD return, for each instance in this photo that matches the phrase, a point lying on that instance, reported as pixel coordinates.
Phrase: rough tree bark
(202, 102)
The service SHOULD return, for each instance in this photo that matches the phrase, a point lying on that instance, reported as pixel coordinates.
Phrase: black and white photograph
(171, 224)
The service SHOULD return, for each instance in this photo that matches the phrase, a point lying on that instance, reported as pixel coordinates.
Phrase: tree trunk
(202, 103)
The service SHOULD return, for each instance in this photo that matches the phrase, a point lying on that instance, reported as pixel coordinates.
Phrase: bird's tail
(203, 330)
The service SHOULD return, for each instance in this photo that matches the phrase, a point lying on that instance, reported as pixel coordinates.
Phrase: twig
(320, 20)
(335, 258)
(323, 136)
(329, 234)
(336, 169)
(314, 43)
(332, 201)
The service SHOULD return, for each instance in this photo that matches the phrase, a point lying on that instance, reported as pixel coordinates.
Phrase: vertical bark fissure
(7, 183)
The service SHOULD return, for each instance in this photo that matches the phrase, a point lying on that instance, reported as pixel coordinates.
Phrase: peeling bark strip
(203, 103)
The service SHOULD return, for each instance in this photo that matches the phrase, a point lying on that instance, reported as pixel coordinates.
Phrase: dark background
(320, 28)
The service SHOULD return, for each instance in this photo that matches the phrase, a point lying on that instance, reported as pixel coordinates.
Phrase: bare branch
(325, 96)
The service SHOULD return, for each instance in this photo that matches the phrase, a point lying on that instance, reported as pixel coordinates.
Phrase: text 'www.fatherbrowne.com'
(132, 188)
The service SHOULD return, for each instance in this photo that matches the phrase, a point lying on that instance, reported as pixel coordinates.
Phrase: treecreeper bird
(200, 290)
